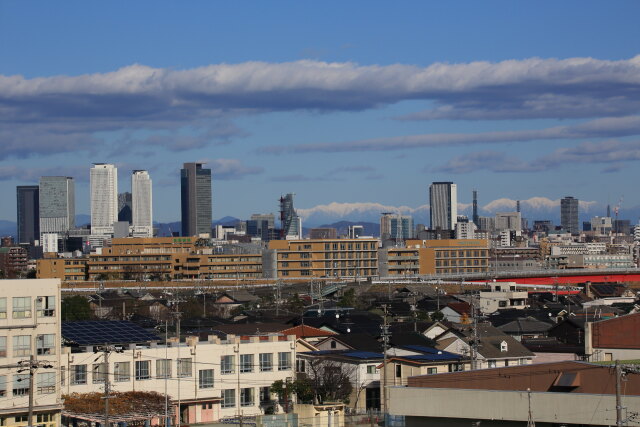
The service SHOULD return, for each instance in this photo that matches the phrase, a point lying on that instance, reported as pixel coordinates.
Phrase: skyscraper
(476, 217)
(443, 201)
(291, 222)
(104, 198)
(195, 186)
(28, 215)
(141, 200)
(125, 208)
(569, 215)
(396, 226)
(57, 205)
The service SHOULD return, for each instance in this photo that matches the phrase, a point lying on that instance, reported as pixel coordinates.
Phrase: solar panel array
(95, 332)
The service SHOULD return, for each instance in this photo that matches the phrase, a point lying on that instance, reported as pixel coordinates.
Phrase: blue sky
(347, 104)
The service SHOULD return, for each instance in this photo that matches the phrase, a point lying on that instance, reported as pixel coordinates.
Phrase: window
(301, 365)
(371, 369)
(228, 398)
(431, 371)
(265, 395)
(45, 344)
(99, 372)
(46, 306)
(246, 363)
(205, 378)
(227, 364)
(122, 371)
(333, 344)
(398, 371)
(185, 367)
(143, 369)
(21, 385)
(3, 346)
(21, 307)
(163, 368)
(504, 347)
(21, 418)
(266, 362)
(46, 382)
(3, 308)
(78, 374)
(63, 375)
(45, 418)
(284, 361)
(492, 364)
(21, 345)
(246, 396)
(3, 385)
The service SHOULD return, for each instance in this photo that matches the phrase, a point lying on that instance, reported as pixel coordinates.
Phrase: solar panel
(94, 332)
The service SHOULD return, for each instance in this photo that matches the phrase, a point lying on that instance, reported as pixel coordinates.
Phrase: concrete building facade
(142, 204)
(104, 198)
(569, 214)
(196, 199)
(28, 213)
(443, 201)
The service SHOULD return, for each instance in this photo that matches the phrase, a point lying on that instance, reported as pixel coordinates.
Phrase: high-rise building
(569, 215)
(291, 222)
(142, 204)
(443, 201)
(104, 198)
(508, 221)
(396, 226)
(57, 205)
(125, 208)
(476, 217)
(195, 186)
(28, 215)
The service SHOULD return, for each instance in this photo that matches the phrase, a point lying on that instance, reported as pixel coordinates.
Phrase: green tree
(348, 298)
(76, 308)
(436, 316)
(295, 304)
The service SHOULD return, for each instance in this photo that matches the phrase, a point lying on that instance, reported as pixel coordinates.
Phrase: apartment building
(64, 269)
(322, 258)
(30, 345)
(207, 380)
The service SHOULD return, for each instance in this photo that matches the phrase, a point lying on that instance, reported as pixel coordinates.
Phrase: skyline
(516, 101)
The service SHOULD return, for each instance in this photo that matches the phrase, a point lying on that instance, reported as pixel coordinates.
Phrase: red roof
(304, 331)
(460, 307)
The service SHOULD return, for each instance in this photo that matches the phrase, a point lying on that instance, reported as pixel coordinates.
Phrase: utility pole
(474, 335)
(385, 340)
(33, 366)
(530, 421)
(619, 419)
(175, 305)
(106, 349)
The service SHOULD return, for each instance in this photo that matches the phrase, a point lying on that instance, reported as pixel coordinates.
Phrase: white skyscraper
(104, 198)
(443, 200)
(142, 210)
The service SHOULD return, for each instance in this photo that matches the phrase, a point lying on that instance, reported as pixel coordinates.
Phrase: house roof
(525, 325)
(251, 328)
(361, 342)
(490, 342)
(305, 331)
(621, 332)
(460, 307)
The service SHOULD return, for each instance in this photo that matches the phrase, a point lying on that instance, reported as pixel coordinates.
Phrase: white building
(501, 297)
(142, 204)
(443, 201)
(208, 380)
(508, 221)
(57, 209)
(104, 201)
(601, 225)
(466, 230)
(30, 328)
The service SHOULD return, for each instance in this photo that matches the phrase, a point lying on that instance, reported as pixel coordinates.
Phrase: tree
(348, 298)
(295, 304)
(325, 381)
(76, 308)
(436, 316)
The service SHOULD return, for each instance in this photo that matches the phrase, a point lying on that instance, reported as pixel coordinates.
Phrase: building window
(46, 306)
(3, 385)
(371, 369)
(45, 344)
(21, 385)
(46, 383)
(265, 395)
(491, 364)
(431, 371)
(163, 368)
(21, 307)
(205, 378)
(21, 345)
(266, 362)
(78, 374)
(3, 346)
(143, 369)
(246, 363)
(185, 367)
(3, 308)
(227, 364)
(45, 418)
(122, 371)
(398, 371)
(228, 398)
(284, 361)
(99, 372)
(504, 347)
(301, 365)
(246, 396)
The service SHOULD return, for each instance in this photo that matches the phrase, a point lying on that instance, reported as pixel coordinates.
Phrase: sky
(349, 105)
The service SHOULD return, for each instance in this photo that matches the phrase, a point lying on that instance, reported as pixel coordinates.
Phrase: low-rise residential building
(613, 339)
(13, 261)
(30, 338)
(502, 296)
(64, 269)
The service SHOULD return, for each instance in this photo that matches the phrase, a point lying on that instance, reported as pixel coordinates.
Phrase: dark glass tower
(195, 185)
(28, 204)
(569, 215)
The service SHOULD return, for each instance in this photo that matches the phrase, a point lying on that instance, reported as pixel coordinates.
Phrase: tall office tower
(443, 200)
(396, 226)
(57, 205)
(104, 198)
(125, 208)
(261, 225)
(195, 186)
(28, 215)
(569, 215)
(475, 218)
(508, 221)
(291, 222)
(142, 204)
